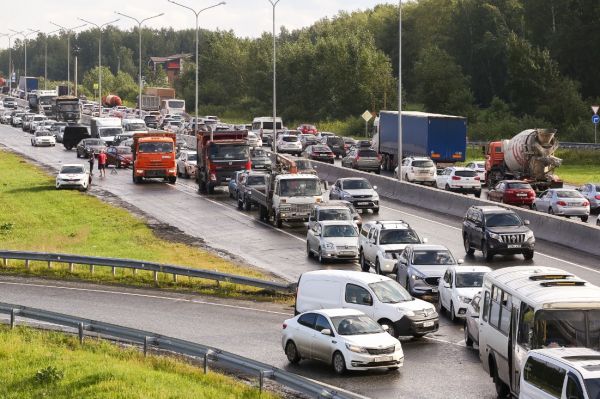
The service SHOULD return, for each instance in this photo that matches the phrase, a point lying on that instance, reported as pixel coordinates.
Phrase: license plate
(514, 245)
(521, 195)
(434, 290)
(428, 324)
(362, 203)
(384, 359)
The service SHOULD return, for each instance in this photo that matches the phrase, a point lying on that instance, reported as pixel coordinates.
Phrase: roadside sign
(367, 116)
(595, 108)
(95, 86)
(596, 119)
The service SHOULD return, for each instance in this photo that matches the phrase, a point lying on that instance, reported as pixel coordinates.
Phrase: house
(172, 65)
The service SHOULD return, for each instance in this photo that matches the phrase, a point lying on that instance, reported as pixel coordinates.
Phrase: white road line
(456, 228)
(461, 344)
(145, 296)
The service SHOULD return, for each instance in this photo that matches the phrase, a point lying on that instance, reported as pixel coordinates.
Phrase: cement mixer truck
(527, 156)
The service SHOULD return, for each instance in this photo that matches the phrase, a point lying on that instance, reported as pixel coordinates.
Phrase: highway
(216, 220)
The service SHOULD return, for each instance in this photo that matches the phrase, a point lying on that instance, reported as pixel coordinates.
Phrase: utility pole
(274, 4)
(68, 32)
(10, 66)
(399, 91)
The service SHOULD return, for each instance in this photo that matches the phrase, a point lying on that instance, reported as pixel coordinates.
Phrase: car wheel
(339, 364)
(308, 251)
(377, 266)
(468, 339)
(240, 204)
(550, 210)
(375, 211)
(363, 263)
(291, 352)
(178, 172)
(321, 259)
(528, 255)
(487, 254)
(533, 207)
(391, 329)
(477, 194)
(247, 204)
(452, 314)
(172, 179)
(502, 390)
(468, 249)
(278, 221)
(584, 219)
(447, 188)
(185, 173)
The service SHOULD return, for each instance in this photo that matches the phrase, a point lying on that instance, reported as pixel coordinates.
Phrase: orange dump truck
(154, 156)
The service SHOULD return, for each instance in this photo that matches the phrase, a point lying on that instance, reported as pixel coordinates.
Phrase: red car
(307, 129)
(319, 152)
(513, 192)
(119, 156)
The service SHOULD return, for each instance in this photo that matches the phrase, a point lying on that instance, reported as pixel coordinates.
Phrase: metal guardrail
(219, 358)
(563, 144)
(142, 265)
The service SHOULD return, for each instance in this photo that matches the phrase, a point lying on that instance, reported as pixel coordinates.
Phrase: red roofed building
(172, 65)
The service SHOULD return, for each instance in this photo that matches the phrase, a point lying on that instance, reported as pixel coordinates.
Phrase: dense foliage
(506, 64)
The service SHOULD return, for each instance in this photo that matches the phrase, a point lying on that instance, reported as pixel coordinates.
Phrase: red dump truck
(219, 155)
(154, 156)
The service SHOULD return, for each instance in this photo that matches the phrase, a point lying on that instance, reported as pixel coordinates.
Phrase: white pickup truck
(381, 242)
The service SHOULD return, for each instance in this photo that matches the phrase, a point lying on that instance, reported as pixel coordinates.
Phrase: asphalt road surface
(438, 366)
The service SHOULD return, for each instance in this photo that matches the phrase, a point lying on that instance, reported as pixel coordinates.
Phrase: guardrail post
(71, 267)
(174, 278)
(27, 264)
(92, 269)
(134, 272)
(13, 316)
(206, 362)
(114, 269)
(146, 346)
(5, 261)
(80, 331)
(156, 277)
(261, 380)
(49, 264)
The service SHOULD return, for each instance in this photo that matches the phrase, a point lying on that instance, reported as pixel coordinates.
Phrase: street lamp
(99, 56)
(399, 91)
(140, 22)
(10, 72)
(274, 4)
(68, 32)
(46, 56)
(196, 13)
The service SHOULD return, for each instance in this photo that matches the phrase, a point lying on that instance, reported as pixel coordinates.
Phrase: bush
(49, 375)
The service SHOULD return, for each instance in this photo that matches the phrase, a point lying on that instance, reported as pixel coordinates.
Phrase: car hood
(71, 175)
(508, 229)
(361, 192)
(337, 241)
(469, 292)
(393, 247)
(415, 305)
(431, 270)
(377, 340)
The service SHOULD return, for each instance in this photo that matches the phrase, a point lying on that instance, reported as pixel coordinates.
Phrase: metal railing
(135, 265)
(217, 357)
(562, 144)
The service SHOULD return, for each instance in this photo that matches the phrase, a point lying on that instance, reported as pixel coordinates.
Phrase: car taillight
(249, 164)
(212, 168)
(561, 203)
(284, 326)
(585, 203)
(477, 178)
(455, 177)
(597, 196)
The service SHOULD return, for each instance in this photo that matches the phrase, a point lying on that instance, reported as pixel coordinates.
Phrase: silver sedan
(591, 191)
(332, 239)
(563, 202)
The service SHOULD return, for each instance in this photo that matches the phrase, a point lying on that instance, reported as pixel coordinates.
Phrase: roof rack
(559, 283)
(538, 277)
(384, 222)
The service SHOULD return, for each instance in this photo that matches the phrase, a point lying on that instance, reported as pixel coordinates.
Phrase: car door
(357, 297)
(496, 193)
(322, 346)
(477, 234)
(315, 237)
(304, 335)
(472, 317)
(371, 250)
(445, 289)
(440, 180)
(543, 202)
(401, 271)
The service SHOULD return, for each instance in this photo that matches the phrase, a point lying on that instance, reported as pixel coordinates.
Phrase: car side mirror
(526, 222)
(425, 240)
(385, 327)
(460, 261)
(446, 285)
(375, 188)
(326, 331)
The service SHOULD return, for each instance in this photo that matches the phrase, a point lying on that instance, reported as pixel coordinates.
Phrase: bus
(172, 106)
(533, 307)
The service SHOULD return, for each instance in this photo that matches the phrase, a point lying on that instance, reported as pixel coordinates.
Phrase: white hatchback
(73, 176)
(457, 288)
(347, 339)
(460, 180)
(418, 170)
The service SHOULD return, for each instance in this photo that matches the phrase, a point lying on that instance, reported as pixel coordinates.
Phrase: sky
(248, 18)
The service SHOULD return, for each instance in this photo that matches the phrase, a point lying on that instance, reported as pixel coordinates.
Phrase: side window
(506, 312)
(573, 388)
(478, 218)
(544, 376)
(371, 232)
(364, 231)
(358, 295)
(526, 323)
(307, 320)
(486, 306)
(475, 303)
(375, 235)
(495, 307)
(447, 277)
(321, 323)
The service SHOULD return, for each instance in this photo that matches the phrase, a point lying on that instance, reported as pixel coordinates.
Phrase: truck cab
(154, 156)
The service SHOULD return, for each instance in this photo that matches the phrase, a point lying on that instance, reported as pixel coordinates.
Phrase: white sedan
(73, 176)
(457, 288)
(43, 137)
(347, 339)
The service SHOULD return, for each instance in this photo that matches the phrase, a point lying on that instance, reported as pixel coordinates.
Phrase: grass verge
(34, 216)
(41, 364)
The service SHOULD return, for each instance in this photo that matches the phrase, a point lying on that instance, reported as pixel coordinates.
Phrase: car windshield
(303, 164)
(465, 173)
(389, 291)
(259, 153)
(335, 214)
(176, 104)
(399, 236)
(423, 164)
(356, 184)
(110, 131)
(43, 133)
(290, 139)
(367, 153)
(566, 328)
(228, 152)
(592, 386)
(255, 180)
(502, 219)
(155, 147)
(68, 107)
(519, 186)
(433, 257)
(136, 126)
(469, 280)
(300, 187)
(340, 231)
(192, 157)
(123, 150)
(93, 142)
(72, 169)
(355, 325)
(568, 194)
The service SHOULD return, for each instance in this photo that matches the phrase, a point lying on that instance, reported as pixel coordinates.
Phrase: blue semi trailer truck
(443, 138)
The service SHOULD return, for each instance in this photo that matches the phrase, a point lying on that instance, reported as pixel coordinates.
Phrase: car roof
(470, 269)
(336, 222)
(585, 360)
(338, 312)
(429, 247)
(492, 209)
(343, 179)
(390, 224)
(73, 164)
(514, 181)
(347, 275)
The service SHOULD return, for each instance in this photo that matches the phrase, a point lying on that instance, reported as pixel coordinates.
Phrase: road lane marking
(461, 344)
(199, 302)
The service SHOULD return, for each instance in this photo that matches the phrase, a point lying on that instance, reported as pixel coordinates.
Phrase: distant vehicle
(513, 192)
(58, 129)
(253, 140)
(591, 191)
(471, 329)
(333, 210)
(172, 106)
(563, 202)
(336, 145)
(154, 156)
(384, 300)
(305, 166)
(151, 121)
(35, 122)
(43, 138)
(187, 163)
(307, 129)
(87, 147)
(458, 287)
(364, 159)
(131, 126)
(73, 176)
(250, 181)
(332, 240)
(66, 109)
(322, 136)
(120, 156)
(418, 170)
(27, 84)
(9, 102)
(356, 190)
(308, 139)
(319, 152)
(260, 159)
(349, 142)
(495, 230)
(73, 134)
(234, 182)
(347, 339)
(459, 180)
(479, 167)
(289, 144)
(106, 129)
(263, 127)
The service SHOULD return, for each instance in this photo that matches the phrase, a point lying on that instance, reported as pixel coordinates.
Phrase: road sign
(367, 116)
(595, 108)
(95, 86)
(596, 119)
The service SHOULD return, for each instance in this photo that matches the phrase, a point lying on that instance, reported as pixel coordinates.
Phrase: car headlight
(356, 348)
(398, 347)
(388, 255)
(495, 236)
(346, 196)
(376, 197)
(464, 299)
(408, 313)
(329, 245)
(528, 235)
(417, 276)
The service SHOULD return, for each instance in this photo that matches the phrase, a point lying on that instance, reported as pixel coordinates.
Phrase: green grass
(35, 216)
(40, 364)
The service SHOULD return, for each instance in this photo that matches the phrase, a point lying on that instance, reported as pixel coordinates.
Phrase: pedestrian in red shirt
(102, 163)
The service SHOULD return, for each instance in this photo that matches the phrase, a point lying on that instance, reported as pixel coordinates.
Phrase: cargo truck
(527, 156)
(106, 129)
(66, 108)
(27, 84)
(153, 96)
(154, 156)
(41, 101)
(443, 138)
(219, 155)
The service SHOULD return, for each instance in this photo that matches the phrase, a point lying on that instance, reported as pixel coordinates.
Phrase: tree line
(505, 64)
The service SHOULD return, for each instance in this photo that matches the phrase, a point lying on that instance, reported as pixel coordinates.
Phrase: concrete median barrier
(571, 233)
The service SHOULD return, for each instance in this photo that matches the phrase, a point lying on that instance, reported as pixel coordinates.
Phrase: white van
(565, 373)
(263, 127)
(131, 126)
(377, 296)
(172, 106)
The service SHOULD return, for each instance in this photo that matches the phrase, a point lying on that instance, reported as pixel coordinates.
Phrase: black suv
(495, 230)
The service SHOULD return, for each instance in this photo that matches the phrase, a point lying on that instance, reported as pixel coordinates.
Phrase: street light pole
(139, 22)
(274, 4)
(399, 91)
(99, 56)
(68, 32)
(10, 73)
(196, 13)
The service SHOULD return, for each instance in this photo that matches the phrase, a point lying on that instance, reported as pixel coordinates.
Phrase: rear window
(423, 164)
(520, 186)
(367, 153)
(465, 173)
(321, 148)
(291, 139)
(568, 194)
(335, 140)
(255, 180)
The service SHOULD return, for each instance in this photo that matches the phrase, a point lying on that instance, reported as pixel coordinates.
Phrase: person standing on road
(91, 161)
(102, 163)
